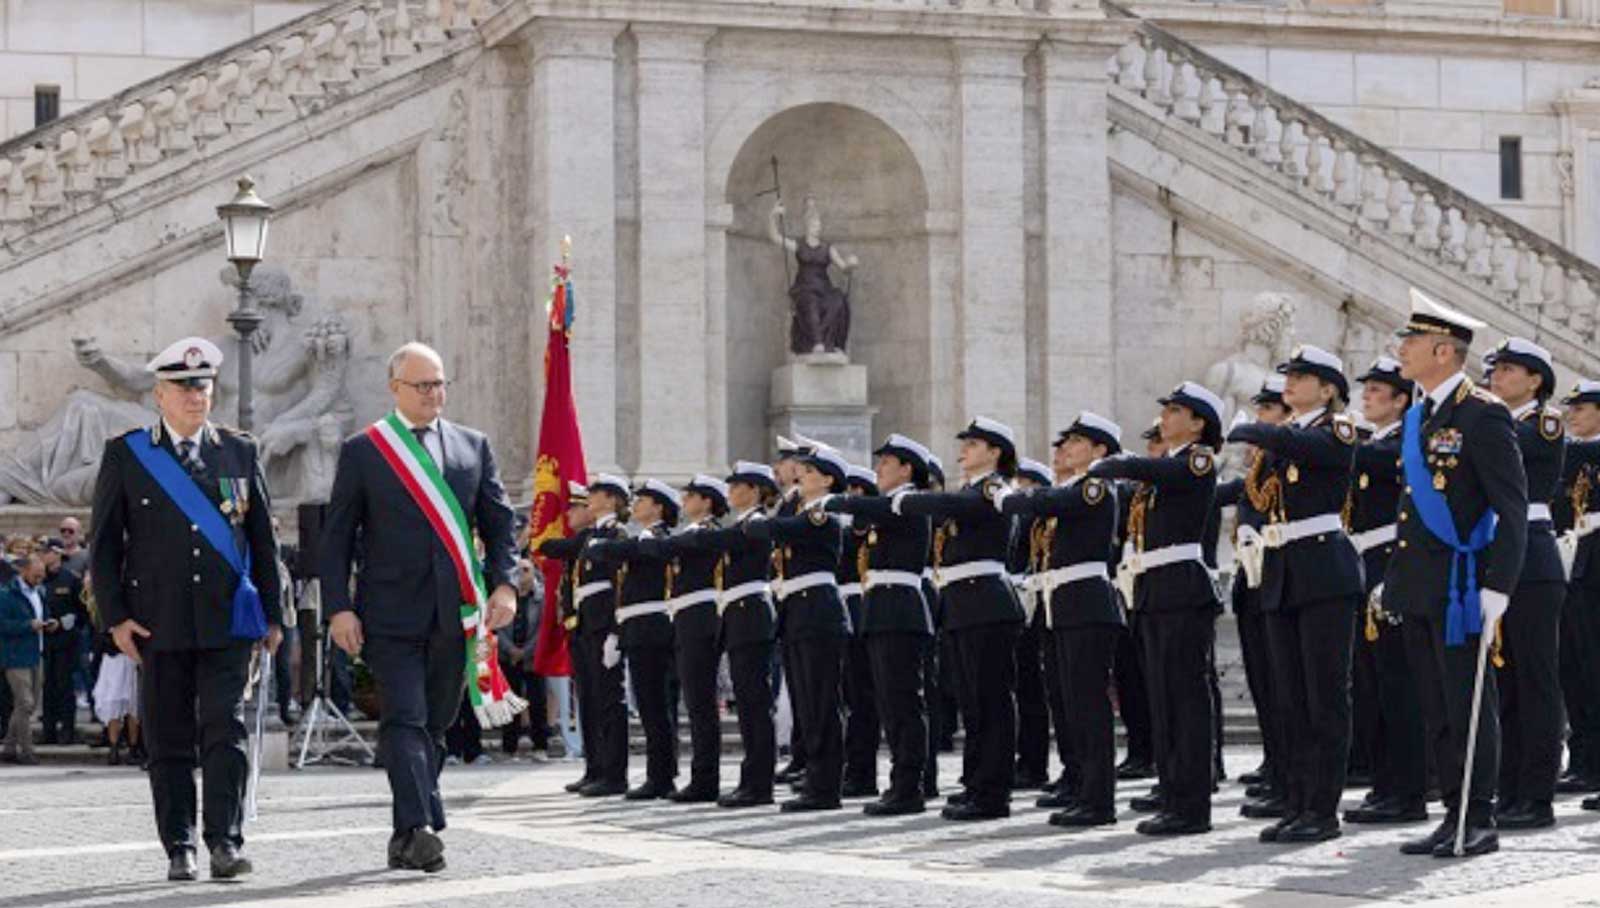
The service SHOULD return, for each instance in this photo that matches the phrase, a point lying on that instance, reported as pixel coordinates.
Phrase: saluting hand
(502, 607)
(123, 636)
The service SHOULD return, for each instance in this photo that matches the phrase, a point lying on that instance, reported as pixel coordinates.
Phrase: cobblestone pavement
(84, 837)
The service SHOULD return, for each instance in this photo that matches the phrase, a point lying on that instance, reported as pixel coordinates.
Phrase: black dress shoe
(807, 803)
(227, 864)
(1080, 816)
(958, 797)
(694, 794)
(1255, 776)
(1479, 840)
(1135, 769)
(1576, 783)
(419, 849)
(789, 773)
(575, 787)
(1308, 828)
(894, 807)
(181, 866)
(740, 797)
(1270, 833)
(1425, 845)
(858, 788)
(1372, 798)
(1590, 803)
(1389, 810)
(650, 791)
(1525, 815)
(1164, 824)
(1273, 809)
(603, 789)
(1261, 791)
(970, 811)
(1148, 803)
(1056, 800)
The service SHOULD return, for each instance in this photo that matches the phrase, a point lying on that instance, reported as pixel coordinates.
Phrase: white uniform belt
(699, 597)
(892, 578)
(1371, 539)
(1167, 554)
(968, 570)
(1278, 535)
(744, 590)
(589, 589)
(639, 609)
(1061, 576)
(1538, 511)
(792, 585)
(846, 590)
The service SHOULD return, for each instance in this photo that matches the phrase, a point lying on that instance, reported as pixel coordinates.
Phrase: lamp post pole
(245, 220)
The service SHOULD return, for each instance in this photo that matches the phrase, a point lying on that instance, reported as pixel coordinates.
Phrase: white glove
(610, 653)
(1376, 596)
(1494, 605)
(1251, 555)
(69, 621)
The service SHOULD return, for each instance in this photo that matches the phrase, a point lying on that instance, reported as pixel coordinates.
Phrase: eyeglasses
(425, 387)
(67, 531)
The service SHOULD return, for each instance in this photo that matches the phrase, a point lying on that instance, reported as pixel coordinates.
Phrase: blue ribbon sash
(248, 620)
(1464, 615)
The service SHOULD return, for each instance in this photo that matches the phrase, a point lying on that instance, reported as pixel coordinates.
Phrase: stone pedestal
(824, 396)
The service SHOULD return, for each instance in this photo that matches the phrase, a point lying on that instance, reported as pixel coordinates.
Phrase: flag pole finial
(566, 250)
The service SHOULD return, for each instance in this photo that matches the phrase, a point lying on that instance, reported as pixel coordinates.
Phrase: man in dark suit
(1464, 446)
(163, 587)
(405, 619)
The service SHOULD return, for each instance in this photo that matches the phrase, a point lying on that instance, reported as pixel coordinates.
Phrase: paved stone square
(74, 836)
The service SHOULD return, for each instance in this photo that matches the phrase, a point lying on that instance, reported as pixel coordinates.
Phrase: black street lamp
(245, 221)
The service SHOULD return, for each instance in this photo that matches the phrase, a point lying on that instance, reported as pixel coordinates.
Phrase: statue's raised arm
(821, 322)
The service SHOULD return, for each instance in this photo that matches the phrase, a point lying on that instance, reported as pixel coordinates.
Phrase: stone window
(46, 104)
(1510, 167)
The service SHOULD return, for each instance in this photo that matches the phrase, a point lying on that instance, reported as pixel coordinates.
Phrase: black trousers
(797, 736)
(1257, 653)
(1402, 768)
(193, 707)
(1311, 658)
(1214, 682)
(1580, 678)
(949, 700)
(648, 668)
(988, 679)
(602, 712)
(1367, 745)
(1531, 719)
(815, 664)
(897, 670)
(1055, 697)
(751, 670)
(59, 705)
(1444, 678)
(1177, 657)
(1085, 657)
(697, 679)
(862, 724)
(1033, 709)
(1133, 695)
(421, 681)
(932, 697)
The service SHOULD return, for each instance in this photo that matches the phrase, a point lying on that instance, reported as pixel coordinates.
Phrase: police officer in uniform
(862, 727)
(982, 615)
(1462, 464)
(1033, 704)
(692, 604)
(1399, 755)
(1311, 585)
(579, 522)
(787, 471)
(1133, 694)
(1174, 599)
(1576, 509)
(936, 675)
(1531, 719)
(896, 619)
(1081, 612)
(602, 705)
(171, 600)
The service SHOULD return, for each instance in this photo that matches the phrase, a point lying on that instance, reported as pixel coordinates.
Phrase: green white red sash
(492, 699)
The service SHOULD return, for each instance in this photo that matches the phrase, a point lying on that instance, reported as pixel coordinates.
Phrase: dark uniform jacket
(807, 542)
(1375, 499)
(1582, 495)
(1470, 447)
(1170, 508)
(63, 592)
(973, 529)
(1541, 437)
(741, 558)
(149, 563)
(641, 566)
(1308, 468)
(848, 571)
(596, 614)
(893, 542)
(691, 569)
(1079, 521)
(407, 586)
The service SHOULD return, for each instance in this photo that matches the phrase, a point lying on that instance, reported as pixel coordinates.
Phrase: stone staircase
(1243, 162)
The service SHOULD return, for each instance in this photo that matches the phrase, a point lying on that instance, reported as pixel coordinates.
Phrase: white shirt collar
(1446, 388)
(1385, 431)
(1594, 437)
(978, 480)
(431, 424)
(178, 439)
(753, 509)
(1306, 419)
(1525, 409)
(1179, 449)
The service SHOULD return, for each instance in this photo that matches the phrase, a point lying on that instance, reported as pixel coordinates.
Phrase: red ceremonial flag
(560, 462)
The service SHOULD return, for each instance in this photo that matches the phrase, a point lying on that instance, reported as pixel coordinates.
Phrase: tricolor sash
(492, 699)
(1464, 614)
(248, 621)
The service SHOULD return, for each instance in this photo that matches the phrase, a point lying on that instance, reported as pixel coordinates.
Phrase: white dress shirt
(430, 441)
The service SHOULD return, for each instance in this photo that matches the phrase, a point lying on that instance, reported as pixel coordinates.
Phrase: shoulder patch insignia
(1201, 460)
(1550, 427)
(1094, 491)
(818, 517)
(1344, 429)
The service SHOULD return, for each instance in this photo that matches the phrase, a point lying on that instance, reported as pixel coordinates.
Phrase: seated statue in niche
(820, 322)
(302, 406)
(1266, 333)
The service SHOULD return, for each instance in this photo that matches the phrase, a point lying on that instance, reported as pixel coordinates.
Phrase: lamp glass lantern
(245, 219)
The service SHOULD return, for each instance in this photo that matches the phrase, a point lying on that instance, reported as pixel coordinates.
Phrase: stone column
(1076, 209)
(674, 424)
(991, 307)
(719, 217)
(572, 191)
